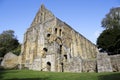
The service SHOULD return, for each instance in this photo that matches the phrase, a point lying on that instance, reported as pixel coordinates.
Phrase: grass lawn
(38, 75)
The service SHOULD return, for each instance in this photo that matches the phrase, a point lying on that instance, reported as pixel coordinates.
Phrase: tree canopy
(112, 19)
(109, 39)
(8, 42)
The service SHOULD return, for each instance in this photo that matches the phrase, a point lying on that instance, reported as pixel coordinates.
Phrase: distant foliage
(17, 50)
(112, 19)
(109, 39)
(8, 42)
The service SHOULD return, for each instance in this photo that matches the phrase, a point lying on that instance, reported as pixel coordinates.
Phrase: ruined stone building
(52, 45)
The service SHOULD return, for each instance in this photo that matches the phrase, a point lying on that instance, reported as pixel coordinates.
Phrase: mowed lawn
(38, 75)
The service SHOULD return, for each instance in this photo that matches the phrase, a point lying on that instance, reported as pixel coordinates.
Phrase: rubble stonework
(108, 63)
(115, 62)
(104, 63)
(52, 45)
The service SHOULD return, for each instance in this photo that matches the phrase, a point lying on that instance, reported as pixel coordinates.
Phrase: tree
(108, 42)
(17, 50)
(117, 44)
(109, 39)
(112, 19)
(8, 42)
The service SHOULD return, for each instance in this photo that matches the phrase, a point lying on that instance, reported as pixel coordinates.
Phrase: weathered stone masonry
(52, 45)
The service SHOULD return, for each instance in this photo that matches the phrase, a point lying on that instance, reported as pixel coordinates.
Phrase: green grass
(38, 75)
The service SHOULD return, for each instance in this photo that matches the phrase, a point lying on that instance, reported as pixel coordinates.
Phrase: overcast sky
(84, 16)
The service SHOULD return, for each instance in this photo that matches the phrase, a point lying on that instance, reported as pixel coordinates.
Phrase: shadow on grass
(1, 72)
(113, 76)
(28, 79)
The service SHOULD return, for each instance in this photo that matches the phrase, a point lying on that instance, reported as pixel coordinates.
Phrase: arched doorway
(65, 57)
(48, 66)
(62, 67)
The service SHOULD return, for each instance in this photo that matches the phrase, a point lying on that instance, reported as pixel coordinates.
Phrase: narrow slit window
(60, 49)
(60, 32)
(55, 30)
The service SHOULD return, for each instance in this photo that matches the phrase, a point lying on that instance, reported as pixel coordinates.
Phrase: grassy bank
(37, 75)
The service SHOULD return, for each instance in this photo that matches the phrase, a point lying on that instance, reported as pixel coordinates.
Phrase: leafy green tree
(117, 44)
(109, 39)
(17, 50)
(112, 19)
(8, 42)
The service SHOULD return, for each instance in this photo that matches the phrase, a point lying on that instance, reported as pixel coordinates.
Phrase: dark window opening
(48, 66)
(55, 30)
(48, 63)
(60, 49)
(60, 32)
(62, 67)
(45, 49)
(61, 63)
(48, 35)
(65, 56)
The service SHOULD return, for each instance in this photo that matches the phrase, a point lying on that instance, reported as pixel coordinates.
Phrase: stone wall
(89, 65)
(108, 63)
(115, 62)
(75, 65)
(103, 63)
(52, 45)
(36, 64)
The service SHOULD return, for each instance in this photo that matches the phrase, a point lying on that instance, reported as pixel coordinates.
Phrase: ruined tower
(52, 45)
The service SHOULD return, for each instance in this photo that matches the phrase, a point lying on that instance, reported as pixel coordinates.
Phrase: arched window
(48, 66)
(48, 63)
(45, 49)
(65, 57)
(48, 35)
(55, 30)
(60, 32)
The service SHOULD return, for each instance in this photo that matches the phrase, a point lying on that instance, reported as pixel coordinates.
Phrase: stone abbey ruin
(52, 45)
